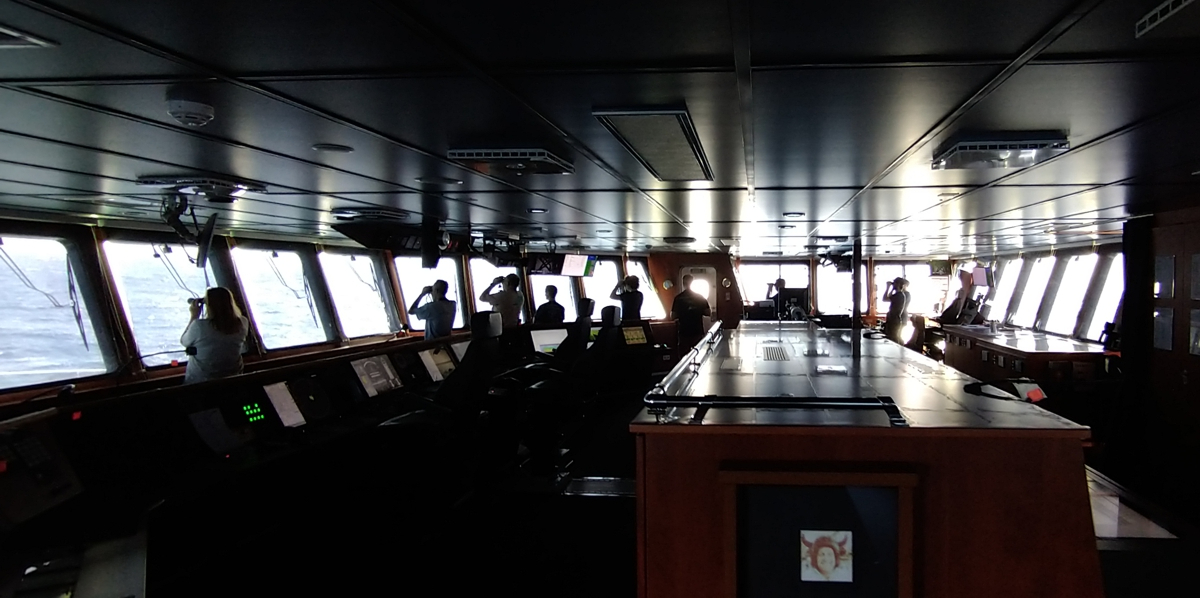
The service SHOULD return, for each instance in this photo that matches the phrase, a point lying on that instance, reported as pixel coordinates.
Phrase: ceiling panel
(805, 32)
(1109, 29)
(830, 128)
(1059, 98)
(253, 37)
(78, 53)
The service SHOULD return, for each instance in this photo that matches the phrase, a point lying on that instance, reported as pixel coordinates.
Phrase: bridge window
(280, 297)
(600, 285)
(924, 293)
(1110, 298)
(1035, 289)
(1004, 289)
(482, 275)
(754, 277)
(566, 292)
(155, 281)
(835, 290)
(652, 306)
(45, 329)
(1071, 290)
(360, 290)
(413, 278)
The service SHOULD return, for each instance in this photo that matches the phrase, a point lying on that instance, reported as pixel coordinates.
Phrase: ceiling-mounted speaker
(433, 240)
(204, 241)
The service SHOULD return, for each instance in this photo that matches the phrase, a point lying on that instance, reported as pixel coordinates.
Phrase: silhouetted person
(688, 311)
(438, 313)
(550, 312)
(507, 300)
(630, 297)
(896, 294)
(775, 293)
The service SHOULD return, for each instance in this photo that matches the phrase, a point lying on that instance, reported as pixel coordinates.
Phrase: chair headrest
(486, 324)
(610, 316)
(585, 308)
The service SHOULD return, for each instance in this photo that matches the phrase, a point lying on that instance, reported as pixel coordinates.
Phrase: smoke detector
(189, 107)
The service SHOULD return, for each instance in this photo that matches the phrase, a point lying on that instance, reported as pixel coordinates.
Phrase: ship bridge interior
(1028, 168)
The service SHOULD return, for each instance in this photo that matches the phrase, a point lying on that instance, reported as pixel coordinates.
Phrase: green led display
(253, 412)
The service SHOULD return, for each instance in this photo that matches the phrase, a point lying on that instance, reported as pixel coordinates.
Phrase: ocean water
(40, 342)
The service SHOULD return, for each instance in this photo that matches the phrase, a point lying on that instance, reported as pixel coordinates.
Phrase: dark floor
(360, 533)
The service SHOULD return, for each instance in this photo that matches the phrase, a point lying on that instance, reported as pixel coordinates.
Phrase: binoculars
(196, 301)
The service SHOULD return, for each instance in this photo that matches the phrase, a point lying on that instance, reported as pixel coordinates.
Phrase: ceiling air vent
(1000, 150)
(512, 161)
(12, 39)
(211, 189)
(368, 213)
(662, 139)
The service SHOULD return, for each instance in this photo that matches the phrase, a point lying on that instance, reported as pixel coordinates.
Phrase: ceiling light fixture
(793, 214)
(438, 180)
(679, 240)
(536, 210)
(603, 231)
(786, 226)
(332, 148)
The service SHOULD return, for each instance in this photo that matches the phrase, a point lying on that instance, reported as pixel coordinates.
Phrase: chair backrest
(464, 388)
(486, 324)
(610, 316)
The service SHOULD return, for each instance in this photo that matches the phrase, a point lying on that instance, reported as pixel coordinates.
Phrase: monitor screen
(376, 374)
(437, 362)
(460, 349)
(634, 335)
(592, 335)
(310, 397)
(578, 265)
(284, 404)
(547, 341)
(982, 276)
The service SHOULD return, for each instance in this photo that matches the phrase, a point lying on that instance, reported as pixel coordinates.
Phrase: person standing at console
(550, 312)
(688, 311)
(630, 297)
(438, 313)
(896, 294)
(214, 343)
(507, 300)
(775, 293)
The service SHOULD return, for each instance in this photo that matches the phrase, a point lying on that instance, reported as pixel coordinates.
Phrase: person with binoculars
(214, 342)
(438, 313)
(508, 300)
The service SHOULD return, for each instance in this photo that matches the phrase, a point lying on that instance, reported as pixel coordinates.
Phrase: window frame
(461, 277)
(90, 268)
(383, 277)
(322, 300)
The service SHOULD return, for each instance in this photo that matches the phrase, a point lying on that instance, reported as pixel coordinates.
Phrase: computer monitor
(798, 297)
(634, 335)
(285, 405)
(592, 335)
(982, 277)
(460, 349)
(547, 341)
(376, 374)
(578, 265)
(310, 397)
(437, 362)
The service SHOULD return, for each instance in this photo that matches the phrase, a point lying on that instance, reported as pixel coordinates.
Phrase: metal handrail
(689, 364)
